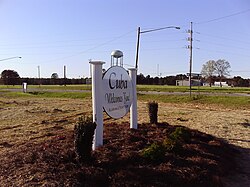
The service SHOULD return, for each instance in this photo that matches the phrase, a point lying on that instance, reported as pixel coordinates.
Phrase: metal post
(39, 80)
(133, 108)
(137, 47)
(190, 62)
(138, 40)
(199, 83)
(97, 102)
(64, 75)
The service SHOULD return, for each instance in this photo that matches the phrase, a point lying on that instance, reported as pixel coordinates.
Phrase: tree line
(236, 81)
(11, 77)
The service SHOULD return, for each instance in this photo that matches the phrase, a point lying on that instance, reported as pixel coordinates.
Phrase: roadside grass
(71, 95)
(156, 88)
(164, 88)
(50, 87)
(226, 101)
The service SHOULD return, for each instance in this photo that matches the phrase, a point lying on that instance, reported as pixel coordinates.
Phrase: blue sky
(54, 33)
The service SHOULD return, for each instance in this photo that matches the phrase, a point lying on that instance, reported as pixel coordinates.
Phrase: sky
(51, 34)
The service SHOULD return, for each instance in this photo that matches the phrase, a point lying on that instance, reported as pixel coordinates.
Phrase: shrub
(155, 152)
(172, 145)
(83, 137)
(181, 134)
(153, 110)
(176, 139)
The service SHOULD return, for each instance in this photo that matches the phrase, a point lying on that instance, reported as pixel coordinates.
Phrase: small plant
(176, 139)
(172, 145)
(158, 150)
(181, 134)
(83, 137)
(155, 152)
(153, 110)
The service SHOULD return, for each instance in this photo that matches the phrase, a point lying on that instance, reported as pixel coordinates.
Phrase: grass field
(50, 87)
(159, 88)
(72, 92)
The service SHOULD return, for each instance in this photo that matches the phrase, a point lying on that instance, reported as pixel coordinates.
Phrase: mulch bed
(203, 161)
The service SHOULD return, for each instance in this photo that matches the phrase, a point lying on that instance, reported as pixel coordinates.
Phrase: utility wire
(224, 17)
(79, 45)
(225, 38)
(223, 45)
(90, 49)
(224, 52)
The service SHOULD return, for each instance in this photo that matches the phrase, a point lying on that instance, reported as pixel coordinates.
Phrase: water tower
(117, 58)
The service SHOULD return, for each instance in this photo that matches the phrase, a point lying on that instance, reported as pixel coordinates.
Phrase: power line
(76, 45)
(225, 38)
(224, 45)
(224, 52)
(97, 46)
(224, 17)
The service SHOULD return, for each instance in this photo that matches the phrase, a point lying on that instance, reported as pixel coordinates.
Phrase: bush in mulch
(202, 161)
(83, 138)
(173, 143)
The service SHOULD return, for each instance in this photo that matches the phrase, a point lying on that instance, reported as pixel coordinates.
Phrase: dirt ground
(35, 120)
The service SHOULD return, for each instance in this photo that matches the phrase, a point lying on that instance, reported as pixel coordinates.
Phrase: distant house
(194, 82)
(223, 84)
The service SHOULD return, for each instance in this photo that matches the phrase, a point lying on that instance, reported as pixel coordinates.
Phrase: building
(194, 82)
(223, 84)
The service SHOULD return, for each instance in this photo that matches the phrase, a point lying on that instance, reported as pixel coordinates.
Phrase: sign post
(113, 91)
(97, 102)
(133, 108)
(24, 87)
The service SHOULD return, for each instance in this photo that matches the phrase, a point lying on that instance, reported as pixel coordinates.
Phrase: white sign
(117, 92)
(24, 87)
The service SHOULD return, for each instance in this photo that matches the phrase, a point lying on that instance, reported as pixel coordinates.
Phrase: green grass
(164, 88)
(227, 101)
(50, 87)
(71, 95)
(157, 88)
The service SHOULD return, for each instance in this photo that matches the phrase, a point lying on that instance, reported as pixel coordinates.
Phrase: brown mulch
(203, 161)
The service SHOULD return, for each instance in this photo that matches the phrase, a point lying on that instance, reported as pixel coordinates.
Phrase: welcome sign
(117, 92)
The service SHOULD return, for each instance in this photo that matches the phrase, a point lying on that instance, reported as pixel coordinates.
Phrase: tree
(140, 79)
(54, 76)
(239, 81)
(10, 77)
(208, 70)
(222, 69)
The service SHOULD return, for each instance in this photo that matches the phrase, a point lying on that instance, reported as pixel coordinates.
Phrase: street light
(10, 58)
(146, 31)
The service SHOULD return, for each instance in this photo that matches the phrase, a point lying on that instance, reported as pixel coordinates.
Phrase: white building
(223, 84)
(194, 82)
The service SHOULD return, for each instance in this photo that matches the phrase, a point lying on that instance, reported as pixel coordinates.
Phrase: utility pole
(190, 39)
(39, 81)
(158, 70)
(64, 75)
